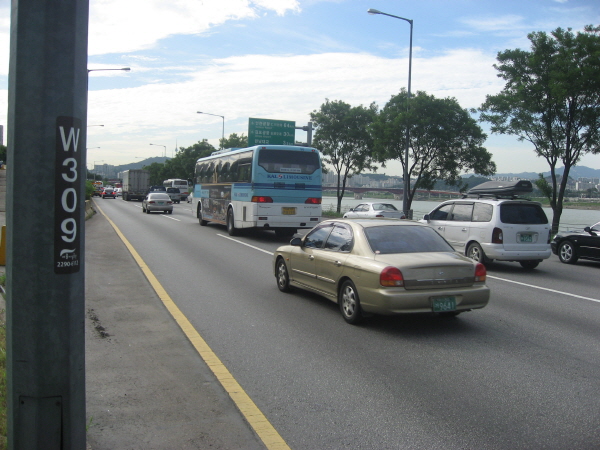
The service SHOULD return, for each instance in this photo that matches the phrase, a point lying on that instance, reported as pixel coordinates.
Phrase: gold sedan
(380, 266)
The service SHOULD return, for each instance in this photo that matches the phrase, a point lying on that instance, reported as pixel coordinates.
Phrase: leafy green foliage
(342, 136)
(234, 141)
(552, 100)
(444, 140)
(182, 166)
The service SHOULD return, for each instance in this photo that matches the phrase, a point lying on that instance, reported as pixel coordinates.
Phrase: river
(571, 219)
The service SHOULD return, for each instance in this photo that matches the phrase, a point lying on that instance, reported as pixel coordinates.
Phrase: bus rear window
(288, 161)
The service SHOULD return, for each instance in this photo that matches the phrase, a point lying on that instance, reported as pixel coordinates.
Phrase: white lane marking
(489, 276)
(247, 245)
(164, 215)
(545, 289)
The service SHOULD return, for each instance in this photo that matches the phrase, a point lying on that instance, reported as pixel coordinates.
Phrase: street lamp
(126, 69)
(162, 146)
(405, 175)
(222, 117)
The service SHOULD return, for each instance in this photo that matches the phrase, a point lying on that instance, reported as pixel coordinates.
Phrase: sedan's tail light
(480, 272)
(151, 202)
(391, 276)
(313, 201)
(497, 237)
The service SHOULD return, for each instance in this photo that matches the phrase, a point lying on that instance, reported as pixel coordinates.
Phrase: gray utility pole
(309, 129)
(47, 109)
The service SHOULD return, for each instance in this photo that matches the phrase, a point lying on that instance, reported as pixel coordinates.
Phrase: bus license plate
(526, 238)
(443, 304)
(288, 211)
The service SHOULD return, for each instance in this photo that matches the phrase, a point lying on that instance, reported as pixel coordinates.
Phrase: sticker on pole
(67, 205)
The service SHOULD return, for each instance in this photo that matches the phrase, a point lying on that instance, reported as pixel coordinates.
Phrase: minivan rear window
(522, 213)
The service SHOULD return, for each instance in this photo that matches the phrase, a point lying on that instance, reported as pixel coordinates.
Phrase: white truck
(136, 183)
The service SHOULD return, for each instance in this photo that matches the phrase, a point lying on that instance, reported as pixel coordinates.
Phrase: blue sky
(280, 59)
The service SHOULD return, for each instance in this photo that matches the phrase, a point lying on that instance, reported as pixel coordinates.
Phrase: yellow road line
(257, 420)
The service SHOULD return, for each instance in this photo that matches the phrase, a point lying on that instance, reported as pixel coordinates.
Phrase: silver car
(381, 266)
(157, 201)
(375, 210)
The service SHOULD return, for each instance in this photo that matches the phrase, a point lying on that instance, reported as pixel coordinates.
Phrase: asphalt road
(524, 372)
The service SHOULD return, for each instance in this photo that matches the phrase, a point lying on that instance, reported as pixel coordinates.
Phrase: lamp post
(126, 69)
(165, 147)
(222, 117)
(405, 175)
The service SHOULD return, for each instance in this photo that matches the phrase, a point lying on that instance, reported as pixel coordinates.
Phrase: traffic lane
(277, 348)
(243, 322)
(575, 279)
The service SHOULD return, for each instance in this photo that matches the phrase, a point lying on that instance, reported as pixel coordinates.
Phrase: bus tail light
(497, 237)
(391, 276)
(261, 199)
(313, 201)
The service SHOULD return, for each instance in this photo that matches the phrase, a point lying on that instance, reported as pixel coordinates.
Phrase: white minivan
(492, 223)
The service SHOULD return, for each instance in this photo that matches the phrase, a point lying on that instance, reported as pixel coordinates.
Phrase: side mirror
(426, 217)
(296, 242)
(351, 209)
(590, 231)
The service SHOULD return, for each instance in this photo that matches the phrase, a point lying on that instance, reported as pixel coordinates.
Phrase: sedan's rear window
(405, 239)
(159, 197)
(522, 213)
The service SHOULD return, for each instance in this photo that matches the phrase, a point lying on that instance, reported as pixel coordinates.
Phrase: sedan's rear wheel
(350, 303)
(283, 277)
(567, 253)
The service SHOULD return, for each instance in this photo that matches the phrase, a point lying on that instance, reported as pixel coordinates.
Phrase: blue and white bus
(274, 187)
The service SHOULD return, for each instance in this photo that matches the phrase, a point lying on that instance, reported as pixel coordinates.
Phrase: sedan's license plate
(160, 203)
(526, 238)
(288, 211)
(443, 304)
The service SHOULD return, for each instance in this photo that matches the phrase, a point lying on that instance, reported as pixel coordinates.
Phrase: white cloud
(126, 26)
(292, 87)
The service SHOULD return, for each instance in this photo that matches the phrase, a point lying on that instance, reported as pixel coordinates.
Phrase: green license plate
(443, 304)
(526, 238)
(288, 211)
(160, 203)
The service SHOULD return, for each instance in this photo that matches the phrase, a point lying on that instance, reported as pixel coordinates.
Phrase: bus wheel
(202, 222)
(230, 223)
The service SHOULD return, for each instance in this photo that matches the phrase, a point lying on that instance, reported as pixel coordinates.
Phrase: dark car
(108, 193)
(570, 246)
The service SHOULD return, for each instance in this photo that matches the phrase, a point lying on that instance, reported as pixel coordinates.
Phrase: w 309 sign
(67, 204)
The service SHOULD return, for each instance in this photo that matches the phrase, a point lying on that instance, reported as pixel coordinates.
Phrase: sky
(281, 59)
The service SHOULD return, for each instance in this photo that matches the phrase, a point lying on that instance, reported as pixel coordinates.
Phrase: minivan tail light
(480, 272)
(313, 201)
(391, 276)
(497, 237)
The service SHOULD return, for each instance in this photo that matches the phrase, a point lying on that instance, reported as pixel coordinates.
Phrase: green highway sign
(271, 132)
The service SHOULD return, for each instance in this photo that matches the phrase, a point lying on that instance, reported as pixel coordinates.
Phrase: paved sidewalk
(147, 387)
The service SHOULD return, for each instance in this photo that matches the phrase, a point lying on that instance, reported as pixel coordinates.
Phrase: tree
(544, 187)
(444, 140)
(183, 165)
(3, 153)
(342, 136)
(234, 141)
(552, 100)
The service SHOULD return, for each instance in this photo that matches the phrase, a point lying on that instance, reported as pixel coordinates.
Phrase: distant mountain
(575, 172)
(141, 164)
